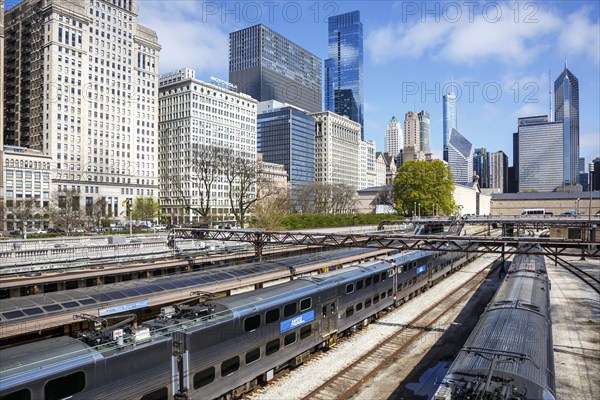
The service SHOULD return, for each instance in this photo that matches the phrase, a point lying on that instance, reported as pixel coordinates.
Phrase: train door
(329, 322)
(394, 272)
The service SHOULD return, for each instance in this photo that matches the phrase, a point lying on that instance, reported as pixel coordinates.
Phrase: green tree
(427, 185)
(145, 208)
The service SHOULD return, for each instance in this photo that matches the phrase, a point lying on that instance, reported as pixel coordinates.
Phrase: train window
(252, 355)
(289, 310)
(23, 394)
(305, 304)
(305, 331)
(375, 279)
(368, 281)
(332, 308)
(367, 303)
(228, 367)
(349, 311)
(390, 293)
(324, 311)
(383, 276)
(390, 272)
(383, 295)
(376, 299)
(252, 323)
(272, 316)
(359, 307)
(204, 377)
(289, 339)
(272, 347)
(349, 288)
(64, 386)
(160, 394)
(359, 285)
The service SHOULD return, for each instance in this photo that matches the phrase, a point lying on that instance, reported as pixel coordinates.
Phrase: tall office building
(268, 66)
(594, 168)
(540, 154)
(460, 157)
(337, 149)
(424, 131)
(412, 137)
(1, 113)
(367, 173)
(81, 85)
(449, 118)
(196, 116)
(583, 177)
(566, 110)
(499, 171)
(394, 139)
(286, 135)
(481, 166)
(344, 79)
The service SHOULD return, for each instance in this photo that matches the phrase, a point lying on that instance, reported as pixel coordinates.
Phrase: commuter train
(221, 348)
(509, 354)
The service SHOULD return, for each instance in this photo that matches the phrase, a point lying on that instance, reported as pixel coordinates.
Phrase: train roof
(17, 309)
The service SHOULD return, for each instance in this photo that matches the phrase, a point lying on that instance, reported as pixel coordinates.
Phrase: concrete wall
(552, 203)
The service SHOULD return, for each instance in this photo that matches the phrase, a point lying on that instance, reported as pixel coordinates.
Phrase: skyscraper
(394, 140)
(449, 115)
(499, 171)
(583, 176)
(566, 110)
(412, 137)
(594, 168)
(344, 82)
(460, 157)
(424, 129)
(269, 66)
(481, 166)
(286, 135)
(540, 154)
(83, 88)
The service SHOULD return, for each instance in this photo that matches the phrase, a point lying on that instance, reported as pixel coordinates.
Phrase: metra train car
(220, 349)
(509, 354)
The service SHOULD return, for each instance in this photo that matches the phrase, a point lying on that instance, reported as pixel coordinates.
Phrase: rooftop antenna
(550, 94)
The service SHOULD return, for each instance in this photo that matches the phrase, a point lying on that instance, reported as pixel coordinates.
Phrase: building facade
(424, 131)
(380, 169)
(198, 120)
(583, 176)
(594, 169)
(499, 171)
(81, 85)
(394, 139)
(27, 175)
(566, 110)
(286, 135)
(540, 154)
(337, 149)
(481, 166)
(460, 158)
(268, 66)
(449, 117)
(367, 172)
(344, 77)
(412, 137)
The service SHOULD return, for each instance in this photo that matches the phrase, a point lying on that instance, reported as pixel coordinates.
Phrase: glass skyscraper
(566, 110)
(449, 123)
(344, 83)
(268, 66)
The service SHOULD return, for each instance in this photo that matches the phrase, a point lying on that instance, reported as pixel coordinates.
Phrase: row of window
(231, 365)
(367, 303)
(351, 287)
(252, 322)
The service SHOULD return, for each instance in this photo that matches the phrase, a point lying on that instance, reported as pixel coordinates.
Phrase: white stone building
(337, 149)
(195, 116)
(367, 175)
(394, 139)
(460, 158)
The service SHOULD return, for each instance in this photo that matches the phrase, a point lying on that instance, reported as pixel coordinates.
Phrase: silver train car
(509, 354)
(223, 347)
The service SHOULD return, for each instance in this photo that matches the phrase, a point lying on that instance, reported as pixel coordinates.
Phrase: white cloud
(186, 40)
(580, 36)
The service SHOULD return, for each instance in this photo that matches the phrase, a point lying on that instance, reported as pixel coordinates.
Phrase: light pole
(577, 206)
(418, 209)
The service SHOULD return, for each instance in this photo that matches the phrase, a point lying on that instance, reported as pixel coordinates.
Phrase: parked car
(17, 232)
(55, 230)
(572, 212)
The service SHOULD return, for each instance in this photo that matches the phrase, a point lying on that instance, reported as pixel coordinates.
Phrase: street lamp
(577, 206)
(418, 209)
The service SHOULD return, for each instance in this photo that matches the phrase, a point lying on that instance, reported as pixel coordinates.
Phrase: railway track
(347, 382)
(589, 279)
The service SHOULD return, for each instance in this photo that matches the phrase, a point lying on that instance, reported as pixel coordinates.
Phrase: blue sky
(498, 53)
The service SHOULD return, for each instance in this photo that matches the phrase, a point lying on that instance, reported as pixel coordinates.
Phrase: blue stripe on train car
(420, 269)
(295, 322)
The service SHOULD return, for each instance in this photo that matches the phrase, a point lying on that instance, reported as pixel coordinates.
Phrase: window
(368, 281)
(228, 367)
(389, 292)
(252, 355)
(383, 276)
(359, 307)
(289, 310)
(65, 386)
(367, 303)
(324, 312)
(289, 339)
(349, 311)
(272, 347)
(252, 323)
(359, 285)
(305, 331)
(204, 377)
(375, 279)
(160, 394)
(349, 288)
(376, 299)
(23, 394)
(272, 316)
(382, 295)
(305, 304)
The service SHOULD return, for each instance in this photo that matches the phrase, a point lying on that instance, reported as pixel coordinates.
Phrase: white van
(535, 211)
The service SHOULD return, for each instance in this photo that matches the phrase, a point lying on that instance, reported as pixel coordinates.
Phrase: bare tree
(322, 197)
(23, 212)
(65, 210)
(304, 196)
(342, 199)
(98, 212)
(241, 175)
(386, 197)
(269, 212)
